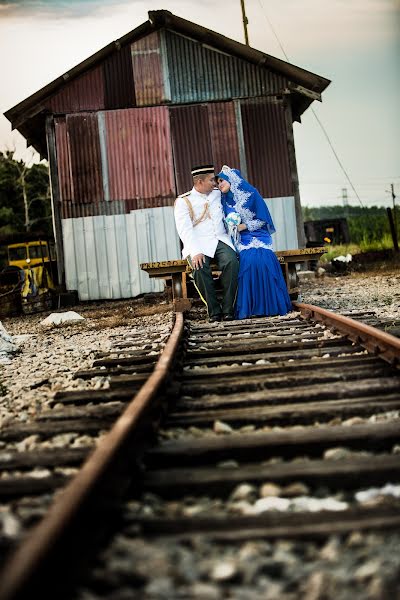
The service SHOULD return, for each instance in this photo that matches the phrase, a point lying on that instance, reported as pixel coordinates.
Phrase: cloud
(53, 8)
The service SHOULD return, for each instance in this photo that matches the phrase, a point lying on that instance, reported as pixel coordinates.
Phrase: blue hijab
(244, 197)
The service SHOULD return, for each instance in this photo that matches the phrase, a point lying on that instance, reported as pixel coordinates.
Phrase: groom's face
(207, 184)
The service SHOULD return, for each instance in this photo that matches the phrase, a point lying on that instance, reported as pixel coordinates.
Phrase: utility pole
(245, 23)
(345, 201)
(394, 205)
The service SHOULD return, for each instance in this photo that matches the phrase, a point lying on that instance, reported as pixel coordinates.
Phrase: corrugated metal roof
(265, 138)
(147, 70)
(28, 116)
(83, 93)
(139, 154)
(103, 253)
(198, 73)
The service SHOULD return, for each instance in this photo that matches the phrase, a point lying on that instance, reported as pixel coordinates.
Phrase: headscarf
(241, 192)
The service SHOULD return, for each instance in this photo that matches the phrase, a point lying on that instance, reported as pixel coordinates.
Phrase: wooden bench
(178, 270)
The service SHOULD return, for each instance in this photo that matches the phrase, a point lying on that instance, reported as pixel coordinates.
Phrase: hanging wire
(313, 111)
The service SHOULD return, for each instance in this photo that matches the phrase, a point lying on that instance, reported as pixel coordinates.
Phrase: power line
(313, 111)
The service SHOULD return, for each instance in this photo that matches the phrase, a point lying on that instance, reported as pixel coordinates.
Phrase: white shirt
(204, 237)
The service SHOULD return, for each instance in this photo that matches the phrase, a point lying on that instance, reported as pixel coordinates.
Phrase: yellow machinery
(31, 254)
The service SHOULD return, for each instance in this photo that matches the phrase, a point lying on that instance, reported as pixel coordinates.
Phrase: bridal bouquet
(232, 221)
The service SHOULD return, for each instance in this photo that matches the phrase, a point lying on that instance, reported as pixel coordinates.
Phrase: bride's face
(224, 186)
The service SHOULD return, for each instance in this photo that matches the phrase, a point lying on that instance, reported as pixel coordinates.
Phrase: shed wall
(103, 253)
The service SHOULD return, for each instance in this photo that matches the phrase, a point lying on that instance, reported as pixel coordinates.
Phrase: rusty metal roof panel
(84, 145)
(191, 142)
(147, 70)
(83, 93)
(139, 155)
(224, 135)
(199, 73)
(266, 148)
(28, 116)
(118, 79)
(63, 160)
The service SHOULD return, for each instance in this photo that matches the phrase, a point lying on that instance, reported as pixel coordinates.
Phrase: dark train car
(327, 231)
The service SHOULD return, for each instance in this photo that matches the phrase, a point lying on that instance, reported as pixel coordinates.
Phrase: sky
(354, 43)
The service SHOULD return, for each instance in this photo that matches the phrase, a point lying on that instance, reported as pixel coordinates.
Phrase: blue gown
(262, 289)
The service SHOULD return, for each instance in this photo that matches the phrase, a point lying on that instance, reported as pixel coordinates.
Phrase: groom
(199, 222)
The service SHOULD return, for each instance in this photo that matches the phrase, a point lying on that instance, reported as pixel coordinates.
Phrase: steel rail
(375, 341)
(33, 567)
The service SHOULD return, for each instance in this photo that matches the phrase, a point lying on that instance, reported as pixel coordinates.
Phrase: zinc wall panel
(224, 137)
(86, 172)
(119, 90)
(147, 70)
(266, 147)
(191, 142)
(139, 156)
(63, 160)
(284, 217)
(199, 73)
(103, 253)
(86, 92)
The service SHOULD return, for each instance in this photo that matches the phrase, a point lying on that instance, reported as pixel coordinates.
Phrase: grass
(364, 246)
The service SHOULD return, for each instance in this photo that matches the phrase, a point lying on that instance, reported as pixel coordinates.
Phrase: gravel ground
(377, 290)
(48, 357)
(358, 566)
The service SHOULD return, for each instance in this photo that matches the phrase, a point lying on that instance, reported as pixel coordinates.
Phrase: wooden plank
(290, 413)
(280, 395)
(253, 345)
(350, 473)
(14, 487)
(254, 325)
(52, 457)
(310, 441)
(252, 357)
(91, 373)
(48, 429)
(270, 525)
(296, 366)
(105, 411)
(131, 360)
(264, 381)
(91, 396)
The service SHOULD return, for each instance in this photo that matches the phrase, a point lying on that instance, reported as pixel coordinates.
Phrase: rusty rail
(376, 342)
(50, 548)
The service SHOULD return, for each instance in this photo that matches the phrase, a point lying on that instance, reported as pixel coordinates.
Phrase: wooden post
(55, 199)
(301, 238)
(393, 229)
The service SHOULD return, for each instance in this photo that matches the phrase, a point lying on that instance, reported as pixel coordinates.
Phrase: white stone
(270, 489)
(221, 427)
(223, 571)
(271, 503)
(58, 318)
(244, 491)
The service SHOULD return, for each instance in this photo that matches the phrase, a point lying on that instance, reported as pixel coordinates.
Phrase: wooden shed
(122, 129)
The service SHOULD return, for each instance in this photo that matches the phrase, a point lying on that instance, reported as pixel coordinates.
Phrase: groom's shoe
(228, 318)
(215, 319)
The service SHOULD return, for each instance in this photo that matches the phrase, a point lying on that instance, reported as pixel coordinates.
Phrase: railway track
(266, 429)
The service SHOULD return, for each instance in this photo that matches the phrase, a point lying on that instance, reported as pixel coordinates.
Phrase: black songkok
(202, 170)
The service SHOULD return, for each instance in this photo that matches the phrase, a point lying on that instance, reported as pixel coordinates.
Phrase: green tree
(24, 196)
